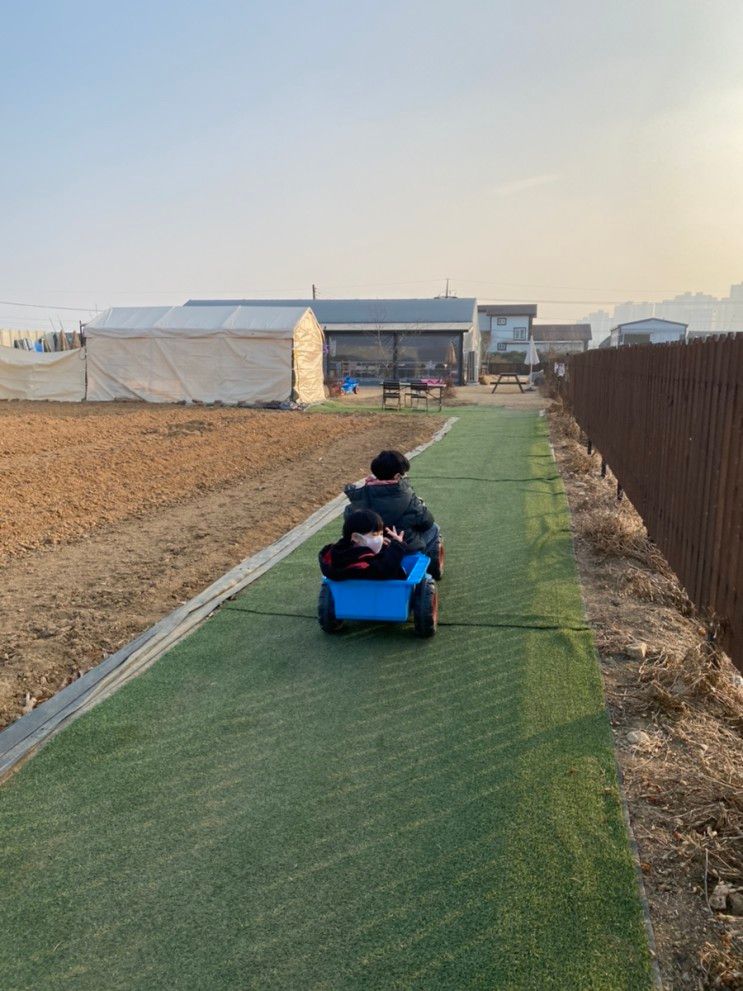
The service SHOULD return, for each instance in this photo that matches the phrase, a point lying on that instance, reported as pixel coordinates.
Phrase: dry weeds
(619, 532)
(579, 462)
(722, 966)
(660, 588)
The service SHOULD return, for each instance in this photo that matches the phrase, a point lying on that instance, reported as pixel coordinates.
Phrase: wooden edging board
(26, 735)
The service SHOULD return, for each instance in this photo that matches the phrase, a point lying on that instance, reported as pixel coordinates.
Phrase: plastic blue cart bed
(390, 601)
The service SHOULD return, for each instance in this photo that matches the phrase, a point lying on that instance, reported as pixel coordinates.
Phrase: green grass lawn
(270, 807)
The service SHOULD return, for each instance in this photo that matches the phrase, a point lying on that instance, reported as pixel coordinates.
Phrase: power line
(534, 285)
(229, 292)
(283, 291)
(371, 285)
(47, 306)
(556, 302)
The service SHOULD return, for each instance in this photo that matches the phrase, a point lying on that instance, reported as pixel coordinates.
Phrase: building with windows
(652, 330)
(505, 328)
(377, 339)
(561, 338)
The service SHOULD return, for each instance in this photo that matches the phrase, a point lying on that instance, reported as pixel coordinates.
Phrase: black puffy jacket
(396, 503)
(348, 560)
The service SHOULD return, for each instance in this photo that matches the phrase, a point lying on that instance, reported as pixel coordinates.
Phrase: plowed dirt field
(112, 514)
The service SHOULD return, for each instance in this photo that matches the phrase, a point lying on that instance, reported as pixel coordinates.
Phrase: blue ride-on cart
(392, 600)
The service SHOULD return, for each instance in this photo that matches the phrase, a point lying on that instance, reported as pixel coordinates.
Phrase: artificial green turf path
(270, 807)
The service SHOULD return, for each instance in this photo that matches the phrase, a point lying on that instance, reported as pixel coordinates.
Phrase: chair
(419, 393)
(392, 392)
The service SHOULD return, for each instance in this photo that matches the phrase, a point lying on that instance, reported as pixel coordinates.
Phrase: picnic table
(401, 393)
(435, 389)
(422, 390)
(512, 377)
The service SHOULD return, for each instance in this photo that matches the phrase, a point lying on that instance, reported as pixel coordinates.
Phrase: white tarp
(38, 375)
(230, 354)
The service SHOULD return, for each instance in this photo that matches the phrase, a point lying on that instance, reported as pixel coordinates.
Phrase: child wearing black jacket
(388, 492)
(364, 551)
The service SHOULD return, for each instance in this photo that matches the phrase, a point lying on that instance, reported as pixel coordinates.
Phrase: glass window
(367, 357)
(372, 357)
(502, 346)
(428, 355)
(519, 333)
(502, 321)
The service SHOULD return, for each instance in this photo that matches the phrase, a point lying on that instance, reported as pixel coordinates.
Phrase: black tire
(438, 559)
(326, 611)
(426, 608)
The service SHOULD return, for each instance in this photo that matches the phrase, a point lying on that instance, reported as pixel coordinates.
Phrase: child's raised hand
(394, 535)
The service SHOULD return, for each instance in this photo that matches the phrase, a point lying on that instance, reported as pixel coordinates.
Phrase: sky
(567, 152)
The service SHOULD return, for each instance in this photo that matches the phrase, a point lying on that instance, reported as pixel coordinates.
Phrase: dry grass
(579, 462)
(564, 422)
(619, 532)
(722, 966)
(659, 588)
(701, 675)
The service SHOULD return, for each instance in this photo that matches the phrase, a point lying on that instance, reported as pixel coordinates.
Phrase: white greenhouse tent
(230, 354)
(59, 376)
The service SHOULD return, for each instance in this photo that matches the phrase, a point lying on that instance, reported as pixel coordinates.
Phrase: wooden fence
(668, 419)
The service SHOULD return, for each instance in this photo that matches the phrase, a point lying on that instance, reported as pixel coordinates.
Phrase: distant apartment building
(702, 313)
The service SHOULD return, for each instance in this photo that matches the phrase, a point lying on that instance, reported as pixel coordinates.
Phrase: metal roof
(354, 312)
(194, 320)
(508, 310)
(561, 332)
(647, 320)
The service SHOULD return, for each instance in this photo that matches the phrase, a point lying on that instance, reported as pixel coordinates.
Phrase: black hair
(387, 464)
(362, 521)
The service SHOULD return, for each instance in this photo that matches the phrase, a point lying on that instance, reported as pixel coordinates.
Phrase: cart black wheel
(426, 608)
(326, 611)
(438, 557)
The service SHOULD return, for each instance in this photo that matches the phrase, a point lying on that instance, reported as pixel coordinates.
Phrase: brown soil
(113, 514)
(683, 779)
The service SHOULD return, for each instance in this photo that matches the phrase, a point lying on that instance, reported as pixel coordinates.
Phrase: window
(428, 355)
(519, 333)
(373, 357)
(363, 356)
(502, 321)
(502, 346)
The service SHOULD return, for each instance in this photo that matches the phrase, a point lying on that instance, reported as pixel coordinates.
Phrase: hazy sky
(546, 150)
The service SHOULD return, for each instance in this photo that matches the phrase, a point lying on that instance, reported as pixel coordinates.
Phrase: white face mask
(373, 541)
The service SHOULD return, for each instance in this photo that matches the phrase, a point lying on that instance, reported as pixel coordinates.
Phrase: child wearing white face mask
(364, 551)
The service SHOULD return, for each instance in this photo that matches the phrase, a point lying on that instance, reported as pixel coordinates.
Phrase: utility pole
(314, 291)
